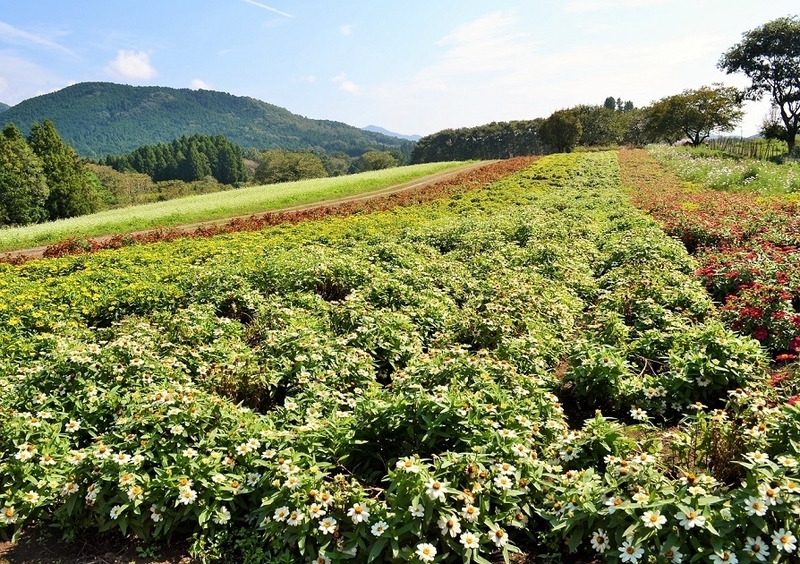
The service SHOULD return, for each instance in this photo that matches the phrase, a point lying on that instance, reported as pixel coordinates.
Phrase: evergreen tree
(23, 187)
(70, 193)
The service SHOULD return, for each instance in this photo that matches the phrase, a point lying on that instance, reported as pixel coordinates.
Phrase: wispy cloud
(309, 79)
(134, 65)
(346, 85)
(260, 5)
(21, 78)
(583, 6)
(11, 34)
(346, 29)
(489, 44)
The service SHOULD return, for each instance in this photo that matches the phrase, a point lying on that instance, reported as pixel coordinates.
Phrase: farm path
(38, 252)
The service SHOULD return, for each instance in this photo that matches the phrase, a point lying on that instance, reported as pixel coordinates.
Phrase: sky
(413, 67)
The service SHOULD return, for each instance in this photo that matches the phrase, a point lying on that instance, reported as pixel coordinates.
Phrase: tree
(600, 125)
(770, 57)
(280, 165)
(23, 187)
(561, 131)
(610, 103)
(374, 160)
(696, 114)
(71, 191)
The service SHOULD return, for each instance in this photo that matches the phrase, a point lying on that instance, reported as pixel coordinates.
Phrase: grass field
(209, 207)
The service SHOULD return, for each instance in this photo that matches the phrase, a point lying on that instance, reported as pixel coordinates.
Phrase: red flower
(760, 333)
(795, 344)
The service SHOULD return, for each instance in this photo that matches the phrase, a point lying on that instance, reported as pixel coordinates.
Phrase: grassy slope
(209, 207)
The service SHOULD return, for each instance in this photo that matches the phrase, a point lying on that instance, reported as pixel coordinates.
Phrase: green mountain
(101, 118)
(3, 107)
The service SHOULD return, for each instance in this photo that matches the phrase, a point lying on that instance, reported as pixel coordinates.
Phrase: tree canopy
(696, 114)
(770, 57)
(496, 140)
(281, 165)
(186, 158)
(561, 131)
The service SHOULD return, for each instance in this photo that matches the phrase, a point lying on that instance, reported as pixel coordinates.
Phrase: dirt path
(38, 252)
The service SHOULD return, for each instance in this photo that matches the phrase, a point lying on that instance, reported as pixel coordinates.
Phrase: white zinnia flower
(426, 552)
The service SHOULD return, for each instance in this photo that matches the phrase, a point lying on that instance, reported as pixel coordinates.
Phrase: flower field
(747, 246)
(528, 366)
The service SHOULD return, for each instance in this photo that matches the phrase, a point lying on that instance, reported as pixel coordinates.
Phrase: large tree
(696, 114)
(72, 188)
(23, 187)
(280, 165)
(561, 131)
(770, 57)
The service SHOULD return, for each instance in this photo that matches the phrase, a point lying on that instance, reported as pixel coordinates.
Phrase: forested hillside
(99, 118)
(3, 107)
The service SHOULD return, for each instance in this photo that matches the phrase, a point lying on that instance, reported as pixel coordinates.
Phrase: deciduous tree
(561, 131)
(770, 57)
(696, 114)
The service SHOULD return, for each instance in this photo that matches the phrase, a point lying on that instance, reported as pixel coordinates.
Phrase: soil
(41, 546)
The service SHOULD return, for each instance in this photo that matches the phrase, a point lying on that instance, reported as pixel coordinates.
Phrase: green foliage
(72, 190)
(99, 119)
(186, 158)
(374, 160)
(496, 140)
(695, 114)
(281, 165)
(561, 131)
(23, 186)
(384, 388)
(769, 56)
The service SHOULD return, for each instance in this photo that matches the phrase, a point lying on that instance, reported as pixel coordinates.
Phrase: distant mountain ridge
(378, 129)
(101, 118)
(3, 107)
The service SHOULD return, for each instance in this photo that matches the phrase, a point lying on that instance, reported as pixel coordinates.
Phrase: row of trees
(281, 165)
(186, 158)
(42, 178)
(497, 140)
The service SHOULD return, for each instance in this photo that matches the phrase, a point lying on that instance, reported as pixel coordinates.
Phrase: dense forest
(187, 158)
(3, 107)
(98, 119)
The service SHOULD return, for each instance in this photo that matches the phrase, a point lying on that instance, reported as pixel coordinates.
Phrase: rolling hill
(101, 118)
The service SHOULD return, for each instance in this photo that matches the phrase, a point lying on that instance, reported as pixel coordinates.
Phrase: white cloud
(199, 84)
(346, 85)
(583, 6)
(346, 29)
(310, 79)
(11, 34)
(260, 5)
(134, 65)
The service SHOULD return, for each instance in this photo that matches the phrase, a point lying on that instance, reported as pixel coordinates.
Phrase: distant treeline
(613, 123)
(497, 140)
(187, 158)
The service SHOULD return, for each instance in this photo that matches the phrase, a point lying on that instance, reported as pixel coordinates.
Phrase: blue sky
(416, 66)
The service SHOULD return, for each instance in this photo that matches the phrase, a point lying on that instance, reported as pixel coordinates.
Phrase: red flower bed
(748, 248)
(464, 182)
